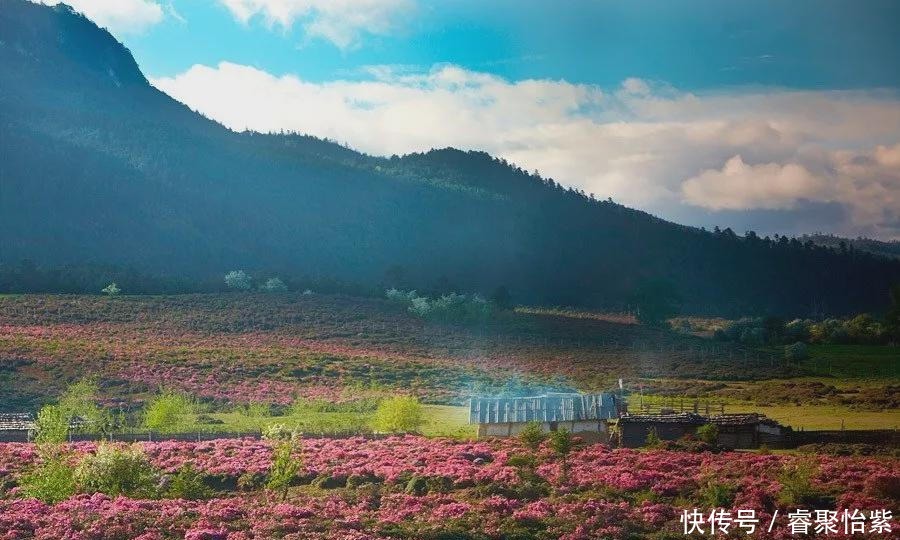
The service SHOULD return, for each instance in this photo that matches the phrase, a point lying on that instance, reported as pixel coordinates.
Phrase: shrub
(250, 481)
(238, 280)
(532, 435)
(111, 290)
(715, 494)
(273, 285)
(284, 467)
(562, 443)
(796, 484)
(116, 471)
(399, 414)
(453, 307)
(399, 296)
(417, 485)
(439, 484)
(52, 425)
(796, 352)
(52, 480)
(168, 413)
(652, 440)
(277, 432)
(188, 484)
(708, 433)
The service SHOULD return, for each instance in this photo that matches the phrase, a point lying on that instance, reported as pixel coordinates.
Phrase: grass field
(807, 416)
(440, 421)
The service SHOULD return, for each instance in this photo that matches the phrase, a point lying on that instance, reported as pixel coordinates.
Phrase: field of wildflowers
(274, 348)
(415, 487)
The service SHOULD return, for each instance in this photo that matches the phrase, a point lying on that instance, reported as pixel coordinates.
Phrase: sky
(776, 117)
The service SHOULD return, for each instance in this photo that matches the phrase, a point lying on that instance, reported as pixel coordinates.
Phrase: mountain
(889, 249)
(100, 168)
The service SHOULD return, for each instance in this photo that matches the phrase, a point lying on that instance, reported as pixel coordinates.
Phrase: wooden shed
(17, 426)
(634, 428)
(584, 414)
(749, 430)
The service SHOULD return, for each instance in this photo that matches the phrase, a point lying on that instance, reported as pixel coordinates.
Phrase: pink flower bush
(605, 492)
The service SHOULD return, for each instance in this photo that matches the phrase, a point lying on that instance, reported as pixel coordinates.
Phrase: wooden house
(634, 428)
(586, 415)
(749, 430)
(17, 426)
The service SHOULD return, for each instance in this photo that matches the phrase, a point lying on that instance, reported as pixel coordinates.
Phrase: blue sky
(692, 45)
(771, 116)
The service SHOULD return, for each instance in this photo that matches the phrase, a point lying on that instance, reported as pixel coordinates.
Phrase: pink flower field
(415, 487)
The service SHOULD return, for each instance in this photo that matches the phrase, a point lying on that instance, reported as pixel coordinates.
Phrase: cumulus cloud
(119, 16)
(342, 22)
(738, 186)
(644, 144)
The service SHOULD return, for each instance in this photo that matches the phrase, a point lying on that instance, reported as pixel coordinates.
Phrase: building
(749, 430)
(17, 426)
(634, 428)
(745, 430)
(584, 414)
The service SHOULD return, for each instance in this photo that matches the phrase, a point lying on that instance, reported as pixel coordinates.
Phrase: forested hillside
(100, 168)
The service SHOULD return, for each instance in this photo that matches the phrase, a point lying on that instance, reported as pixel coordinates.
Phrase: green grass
(440, 421)
(823, 416)
(447, 421)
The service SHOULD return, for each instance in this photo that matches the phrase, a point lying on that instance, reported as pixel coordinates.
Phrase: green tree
(52, 425)
(284, 467)
(656, 301)
(532, 436)
(562, 444)
(79, 402)
(169, 413)
(398, 414)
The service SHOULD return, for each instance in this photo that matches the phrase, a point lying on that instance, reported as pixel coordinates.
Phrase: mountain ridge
(103, 168)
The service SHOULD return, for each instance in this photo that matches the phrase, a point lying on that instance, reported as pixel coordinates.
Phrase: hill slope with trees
(101, 170)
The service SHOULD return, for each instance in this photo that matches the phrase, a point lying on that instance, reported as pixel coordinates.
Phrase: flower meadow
(416, 487)
(241, 348)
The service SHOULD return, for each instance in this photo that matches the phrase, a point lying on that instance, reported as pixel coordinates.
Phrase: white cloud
(647, 145)
(738, 186)
(342, 22)
(119, 16)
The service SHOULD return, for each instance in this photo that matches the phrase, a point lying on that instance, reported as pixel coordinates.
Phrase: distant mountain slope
(869, 245)
(100, 167)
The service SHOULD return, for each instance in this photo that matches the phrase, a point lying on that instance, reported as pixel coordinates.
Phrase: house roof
(677, 418)
(550, 407)
(26, 422)
(738, 419)
(16, 422)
